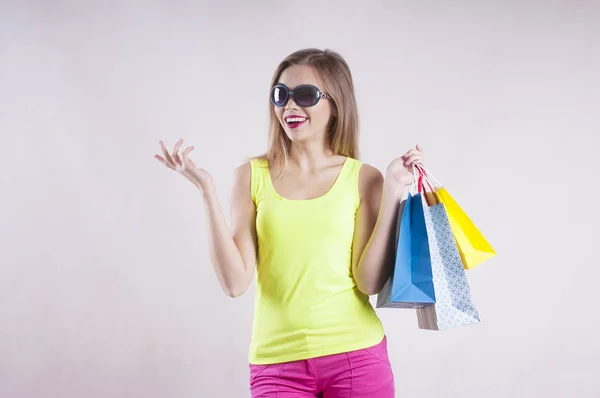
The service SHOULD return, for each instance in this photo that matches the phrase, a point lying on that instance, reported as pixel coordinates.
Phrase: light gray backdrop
(106, 289)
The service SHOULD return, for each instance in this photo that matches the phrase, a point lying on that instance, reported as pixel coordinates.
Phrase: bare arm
(233, 251)
(374, 239)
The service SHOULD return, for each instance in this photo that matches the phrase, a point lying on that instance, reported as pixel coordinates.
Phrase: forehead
(296, 75)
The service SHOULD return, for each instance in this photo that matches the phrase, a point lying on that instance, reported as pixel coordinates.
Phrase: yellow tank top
(307, 303)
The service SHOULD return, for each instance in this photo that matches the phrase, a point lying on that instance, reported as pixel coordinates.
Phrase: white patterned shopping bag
(454, 305)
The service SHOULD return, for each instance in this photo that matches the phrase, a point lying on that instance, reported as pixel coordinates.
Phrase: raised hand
(184, 165)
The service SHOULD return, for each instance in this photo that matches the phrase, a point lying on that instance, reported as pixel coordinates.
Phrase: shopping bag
(473, 247)
(411, 283)
(454, 305)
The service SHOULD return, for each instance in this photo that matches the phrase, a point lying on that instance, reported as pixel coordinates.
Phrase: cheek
(278, 113)
(321, 115)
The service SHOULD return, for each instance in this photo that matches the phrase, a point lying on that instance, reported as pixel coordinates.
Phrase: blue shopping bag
(411, 283)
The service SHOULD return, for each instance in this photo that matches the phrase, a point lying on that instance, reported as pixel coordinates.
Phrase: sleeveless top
(307, 303)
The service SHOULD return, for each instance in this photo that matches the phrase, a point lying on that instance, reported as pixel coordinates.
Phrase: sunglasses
(305, 95)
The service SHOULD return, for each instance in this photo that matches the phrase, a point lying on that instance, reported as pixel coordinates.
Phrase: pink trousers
(355, 374)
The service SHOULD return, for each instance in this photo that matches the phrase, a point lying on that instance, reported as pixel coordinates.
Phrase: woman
(318, 226)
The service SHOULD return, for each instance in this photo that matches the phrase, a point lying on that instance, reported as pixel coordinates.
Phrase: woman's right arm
(233, 250)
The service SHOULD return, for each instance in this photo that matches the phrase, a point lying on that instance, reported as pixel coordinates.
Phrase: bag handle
(430, 200)
(423, 192)
(428, 175)
(423, 177)
(430, 179)
(414, 182)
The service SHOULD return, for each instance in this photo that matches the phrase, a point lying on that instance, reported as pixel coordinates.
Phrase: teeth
(295, 119)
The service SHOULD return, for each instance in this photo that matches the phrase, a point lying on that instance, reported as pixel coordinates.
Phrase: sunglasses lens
(279, 96)
(306, 95)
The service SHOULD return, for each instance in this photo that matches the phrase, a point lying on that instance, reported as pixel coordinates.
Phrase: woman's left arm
(373, 251)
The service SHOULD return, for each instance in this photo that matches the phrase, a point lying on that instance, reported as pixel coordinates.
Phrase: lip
(295, 125)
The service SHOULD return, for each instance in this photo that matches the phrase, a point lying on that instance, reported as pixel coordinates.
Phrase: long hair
(343, 127)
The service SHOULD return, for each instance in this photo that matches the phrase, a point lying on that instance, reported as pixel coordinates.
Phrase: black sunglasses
(305, 95)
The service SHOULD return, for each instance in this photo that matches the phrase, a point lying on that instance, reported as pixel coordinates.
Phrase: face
(317, 116)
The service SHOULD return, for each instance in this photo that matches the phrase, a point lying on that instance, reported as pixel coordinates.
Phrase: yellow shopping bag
(474, 249)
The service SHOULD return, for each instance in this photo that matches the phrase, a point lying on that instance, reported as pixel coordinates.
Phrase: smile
(295, 121)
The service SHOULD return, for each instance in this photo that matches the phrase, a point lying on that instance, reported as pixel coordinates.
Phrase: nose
(291, 104)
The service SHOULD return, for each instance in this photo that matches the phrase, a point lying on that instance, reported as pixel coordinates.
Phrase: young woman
(318, 226)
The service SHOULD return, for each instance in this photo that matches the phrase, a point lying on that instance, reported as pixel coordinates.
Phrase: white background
(106, 288)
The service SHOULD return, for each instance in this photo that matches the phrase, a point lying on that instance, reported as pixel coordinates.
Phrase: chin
(301, 134)
(298, 134)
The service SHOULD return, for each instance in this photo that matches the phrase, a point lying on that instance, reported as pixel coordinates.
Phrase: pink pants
(355, 374)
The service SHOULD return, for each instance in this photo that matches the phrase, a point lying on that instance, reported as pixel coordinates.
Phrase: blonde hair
(342, 132)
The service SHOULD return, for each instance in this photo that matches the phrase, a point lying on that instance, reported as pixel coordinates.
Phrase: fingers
(168, 157)
(411, 153)
(414, 160)
(413, 156)
(171, 160)
(163, 161)
(186, 159)
(176, 157)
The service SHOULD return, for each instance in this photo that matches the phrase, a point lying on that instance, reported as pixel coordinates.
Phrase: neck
(308, 156)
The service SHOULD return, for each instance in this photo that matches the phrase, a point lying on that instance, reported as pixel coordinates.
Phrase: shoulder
(249, 177)
(242, 197)
(369, 175)
(243, 171)
(242, 178)
(370, 181)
